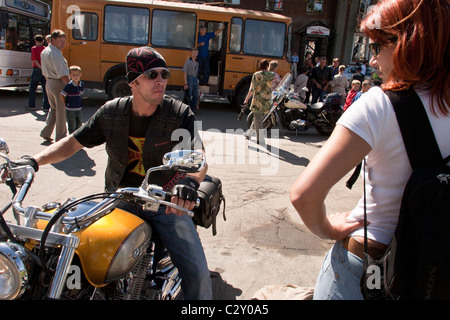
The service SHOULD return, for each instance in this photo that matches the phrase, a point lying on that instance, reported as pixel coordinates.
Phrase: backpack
(416, 264)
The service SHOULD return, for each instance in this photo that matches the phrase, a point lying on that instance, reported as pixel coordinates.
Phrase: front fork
(68, 243)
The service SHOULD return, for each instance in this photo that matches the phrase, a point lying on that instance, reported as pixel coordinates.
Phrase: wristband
(189, 182)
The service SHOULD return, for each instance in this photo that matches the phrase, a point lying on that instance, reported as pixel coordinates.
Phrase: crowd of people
(313, 82)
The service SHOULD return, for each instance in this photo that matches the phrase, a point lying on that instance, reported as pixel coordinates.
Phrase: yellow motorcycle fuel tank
(110, 247)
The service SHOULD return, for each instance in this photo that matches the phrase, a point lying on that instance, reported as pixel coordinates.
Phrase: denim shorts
(339, 278)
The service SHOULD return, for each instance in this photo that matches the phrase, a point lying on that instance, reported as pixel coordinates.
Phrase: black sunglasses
(153, 74)
(375, 47)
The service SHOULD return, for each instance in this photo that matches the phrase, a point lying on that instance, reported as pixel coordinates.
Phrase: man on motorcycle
(137, 131)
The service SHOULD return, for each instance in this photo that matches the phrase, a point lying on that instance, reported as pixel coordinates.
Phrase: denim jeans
(339, 278)
(73, 120)
(179, 236)
(36, 78)
(203, 69)
(193, 91)
(317, 94)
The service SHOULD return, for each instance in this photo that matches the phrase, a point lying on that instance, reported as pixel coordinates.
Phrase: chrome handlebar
(150, 198)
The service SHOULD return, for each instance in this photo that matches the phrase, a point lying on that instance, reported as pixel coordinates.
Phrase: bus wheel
(118, 87)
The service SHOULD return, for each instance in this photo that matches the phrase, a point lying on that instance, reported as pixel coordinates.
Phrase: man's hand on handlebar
(26, 161)
(184, 194)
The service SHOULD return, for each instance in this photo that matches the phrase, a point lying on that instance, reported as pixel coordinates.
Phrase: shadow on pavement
(221, 289)
(78, 165)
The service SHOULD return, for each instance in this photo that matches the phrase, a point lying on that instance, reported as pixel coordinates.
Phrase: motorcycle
(292, 114)
(87, 248)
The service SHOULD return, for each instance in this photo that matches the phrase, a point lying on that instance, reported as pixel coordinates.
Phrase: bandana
(142, 59)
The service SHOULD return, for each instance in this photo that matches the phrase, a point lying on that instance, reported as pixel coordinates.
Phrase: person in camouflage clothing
(261, 90)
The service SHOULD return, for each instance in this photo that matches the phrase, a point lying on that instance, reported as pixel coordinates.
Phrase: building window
(278, 5)
(314, 6)
(364, 5)
(226, 1)
(274, 5)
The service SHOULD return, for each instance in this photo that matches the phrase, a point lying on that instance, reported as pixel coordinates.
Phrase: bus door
(84, 44)
(217, 54)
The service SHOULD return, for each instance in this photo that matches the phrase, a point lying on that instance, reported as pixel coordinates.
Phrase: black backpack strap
(350, 182)
(417, 133)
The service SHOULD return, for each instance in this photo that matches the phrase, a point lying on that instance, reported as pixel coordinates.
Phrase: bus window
(236, 35)
(85, 26)
(264, 38)
(126, 25)
(17, 35)
(173, 29)
(38, 27)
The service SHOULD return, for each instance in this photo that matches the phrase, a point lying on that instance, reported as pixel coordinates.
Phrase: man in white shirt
(56, 71)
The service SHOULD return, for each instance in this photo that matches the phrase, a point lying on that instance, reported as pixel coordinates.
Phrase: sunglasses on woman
(375, 47)
(153, 74)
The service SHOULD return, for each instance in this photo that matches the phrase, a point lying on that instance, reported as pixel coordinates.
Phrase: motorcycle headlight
(15, 268)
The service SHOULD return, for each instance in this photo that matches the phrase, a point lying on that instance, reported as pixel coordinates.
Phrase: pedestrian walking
(260, 89)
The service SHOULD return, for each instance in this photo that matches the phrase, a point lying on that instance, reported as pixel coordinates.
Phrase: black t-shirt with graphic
(135, 172)
(92, 134)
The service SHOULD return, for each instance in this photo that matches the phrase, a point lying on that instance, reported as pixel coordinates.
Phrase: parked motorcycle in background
(292, 114)
(87, 248)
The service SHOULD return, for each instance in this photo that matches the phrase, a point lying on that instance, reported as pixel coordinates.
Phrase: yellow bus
(100, 33)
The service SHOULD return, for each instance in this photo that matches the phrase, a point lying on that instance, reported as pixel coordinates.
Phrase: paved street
(263, 242)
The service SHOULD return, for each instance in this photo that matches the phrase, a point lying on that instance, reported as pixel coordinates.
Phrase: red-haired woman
(409, 41)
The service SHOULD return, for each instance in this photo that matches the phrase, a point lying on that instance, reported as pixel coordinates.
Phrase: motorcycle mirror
(4, 146)
(181, 160)
(185, 160)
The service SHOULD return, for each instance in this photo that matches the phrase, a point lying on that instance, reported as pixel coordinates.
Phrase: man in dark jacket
(358, 75)
(137, 132)
(321, 77)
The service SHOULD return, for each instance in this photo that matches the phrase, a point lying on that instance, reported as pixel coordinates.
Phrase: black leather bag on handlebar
(211, 197)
